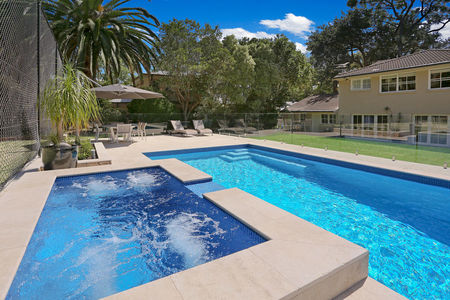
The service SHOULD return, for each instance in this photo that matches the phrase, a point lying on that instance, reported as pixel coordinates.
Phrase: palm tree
(89, 31)
(68, 101)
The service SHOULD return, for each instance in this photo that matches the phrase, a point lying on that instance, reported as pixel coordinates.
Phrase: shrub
(84, 151)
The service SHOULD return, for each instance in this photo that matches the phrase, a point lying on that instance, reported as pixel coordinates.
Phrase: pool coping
(258, 272)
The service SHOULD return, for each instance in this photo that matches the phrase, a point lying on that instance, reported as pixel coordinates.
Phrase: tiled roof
(316, 103)
(418, 59)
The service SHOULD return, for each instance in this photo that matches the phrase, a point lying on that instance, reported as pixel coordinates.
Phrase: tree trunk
(59, 130)
(77, 131)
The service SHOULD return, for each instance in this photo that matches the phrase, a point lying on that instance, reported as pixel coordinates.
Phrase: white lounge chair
(200, 127)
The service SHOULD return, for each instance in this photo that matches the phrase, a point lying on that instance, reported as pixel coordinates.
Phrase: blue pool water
(102, 234)
(404, 224)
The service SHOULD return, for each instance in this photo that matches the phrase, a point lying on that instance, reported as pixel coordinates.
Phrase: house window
(361, 84)
(382, 123)
(389, 84)
(369, 121)
(439, 130)
(439, 123)
(407, 83)
(357, 121)
(332, 119)
(395, 83)
(421, 120)
(440, 79)
(328, 118)
(302, 117)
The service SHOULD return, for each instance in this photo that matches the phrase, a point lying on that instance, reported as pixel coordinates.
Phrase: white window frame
(362, 85)
(329, 118)
(397, 75)
(435, 71)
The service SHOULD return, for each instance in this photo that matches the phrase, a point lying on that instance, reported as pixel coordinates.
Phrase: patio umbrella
(119, 91)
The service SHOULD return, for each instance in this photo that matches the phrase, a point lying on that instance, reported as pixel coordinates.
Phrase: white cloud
(298, 25)
(300, 47)
(240, 33)
(445, 32)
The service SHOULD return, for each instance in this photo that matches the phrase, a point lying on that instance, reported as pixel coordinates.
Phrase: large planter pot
(61, 156)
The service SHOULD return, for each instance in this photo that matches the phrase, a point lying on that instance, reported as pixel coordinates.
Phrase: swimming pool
(403, 220)
(104, 233)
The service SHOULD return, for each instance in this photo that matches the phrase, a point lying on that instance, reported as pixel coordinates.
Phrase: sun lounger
(180, 130)
(223, 127)
(200, 127)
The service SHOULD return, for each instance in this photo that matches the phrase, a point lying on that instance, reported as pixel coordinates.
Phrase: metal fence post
(38, 61)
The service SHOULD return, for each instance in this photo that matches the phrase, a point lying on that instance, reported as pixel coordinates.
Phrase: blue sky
(251, 18)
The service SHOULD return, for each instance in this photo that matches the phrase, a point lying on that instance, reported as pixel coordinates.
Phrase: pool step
(234, 159)
(236, 154)
(241, 150)
(277, 160)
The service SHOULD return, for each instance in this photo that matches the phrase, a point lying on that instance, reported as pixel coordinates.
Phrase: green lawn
(419, 154)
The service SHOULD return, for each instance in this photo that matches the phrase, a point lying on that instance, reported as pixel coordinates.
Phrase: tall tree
(203, 71)
(282, 74)
(415, 23)
(237, 75)
(349, 39)
(90, 31)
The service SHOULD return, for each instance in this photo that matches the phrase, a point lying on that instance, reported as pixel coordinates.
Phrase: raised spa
(104, 233)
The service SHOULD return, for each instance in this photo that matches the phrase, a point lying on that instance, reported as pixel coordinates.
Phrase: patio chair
(200, 127)
(112, 135)
(141, 129)
(180, 130)
(240, 123)
(223, 127)
(125, 131)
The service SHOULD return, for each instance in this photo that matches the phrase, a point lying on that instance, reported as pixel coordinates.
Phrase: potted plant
(68, 102)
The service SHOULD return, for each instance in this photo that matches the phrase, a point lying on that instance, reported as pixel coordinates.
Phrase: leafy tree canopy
(92, 31)
(208, 73)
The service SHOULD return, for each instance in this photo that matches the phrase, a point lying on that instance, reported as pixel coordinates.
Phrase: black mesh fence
(28, 58)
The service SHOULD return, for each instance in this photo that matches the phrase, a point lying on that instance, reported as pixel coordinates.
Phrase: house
(314, 113)
(147, 79)
(404, 96)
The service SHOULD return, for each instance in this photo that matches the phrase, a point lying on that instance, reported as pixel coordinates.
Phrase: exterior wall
(401, 108)
(305, 122)
(422, 101)
(315, 118)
